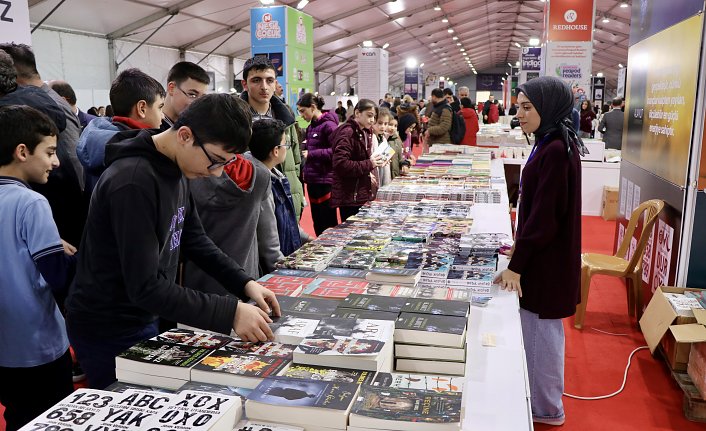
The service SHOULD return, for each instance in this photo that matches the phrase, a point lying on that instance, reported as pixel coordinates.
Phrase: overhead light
(518, 45)
(445, 20)
(620, 65)
(534, 41)
(454, 38)
(517, 64)
(464, 54)
(441, 78)
(474, 72)
(605, 20)
(302, 4)
(624, 4)
(458, 44)
(437, 8)
(450, 30)
(333, 93)
(267, 2)
(367, 43)
(421, 64)
(411, 62)
(599, 74)
(232, 90)
(507, 74)
(385, 45)
(462, 49)
(509, 64)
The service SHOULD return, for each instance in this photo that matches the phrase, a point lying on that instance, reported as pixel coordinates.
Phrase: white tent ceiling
(487, 30)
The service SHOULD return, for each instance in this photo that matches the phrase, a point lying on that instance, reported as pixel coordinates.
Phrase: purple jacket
(318, 168)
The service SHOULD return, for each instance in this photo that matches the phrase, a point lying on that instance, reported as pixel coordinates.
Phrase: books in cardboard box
(430, 329)
(406, 409)
(373, 303)
(436, 306)
(237, 369)
(161, 359)
(311, 372)
(684, 303)
(334, 288)
(435, 383)
(302, 402)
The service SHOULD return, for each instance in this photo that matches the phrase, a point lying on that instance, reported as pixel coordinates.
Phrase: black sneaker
(77, 373)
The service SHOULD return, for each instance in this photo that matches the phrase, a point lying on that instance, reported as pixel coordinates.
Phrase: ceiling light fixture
(474, 72)
(450, 30)
(411, 62)
(445, 20)
(454, 38)
(385, 45)
(624, 4)
(367, 43)
(599, 74)
(620, 65)
(458, 43)
(267, 2)
(421, 64)
(302, 4)
(462, 49)
(518, 45)
(437, 8)
(534, 41)
(605, 19)
(465, 54)
(517, 64)
(509, 64)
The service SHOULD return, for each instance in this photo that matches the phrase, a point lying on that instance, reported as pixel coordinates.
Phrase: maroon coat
(548, 241)
(351, 165)
(317, 169)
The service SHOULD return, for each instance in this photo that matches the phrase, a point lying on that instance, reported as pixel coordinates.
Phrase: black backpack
(458, 127)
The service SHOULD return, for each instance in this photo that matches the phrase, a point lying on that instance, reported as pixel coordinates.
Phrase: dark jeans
(347, 212)
(322, 214)
(28, 392)
(97, 354)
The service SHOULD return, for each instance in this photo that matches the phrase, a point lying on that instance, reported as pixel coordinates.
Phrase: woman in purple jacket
(353, 161)
(545, 267)
(318, 170)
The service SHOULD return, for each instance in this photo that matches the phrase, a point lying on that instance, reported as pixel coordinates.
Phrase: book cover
(265, 426)
(198, 411)
(334, 288)
(475, 263)
(295, 273)
(442, 293)
(284, 285)
(216, 389)
(431, 323)
(134, 409)
(74, 411)
(390, 290)
(356, 313)
(470, 278)
(407, 405)
(290, 329)
(124, 386)
(313, 372)
(223, 361)
(268, 348)
(355, 328)
(419, 381)
(188, 337)
(317, 306)
(373, 303)
(355, 259)
(160, 353)
(345, 273)
(338, 346)
(436, 306)
(283, 391)
(431, 265)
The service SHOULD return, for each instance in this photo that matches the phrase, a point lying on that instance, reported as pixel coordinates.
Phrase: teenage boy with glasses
(186, 82)
(141, 218)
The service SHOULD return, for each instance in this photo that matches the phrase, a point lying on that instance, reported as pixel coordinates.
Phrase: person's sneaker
(77, 373)
(549, 421)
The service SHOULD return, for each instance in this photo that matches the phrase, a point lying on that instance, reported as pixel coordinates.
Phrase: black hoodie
(141, 216)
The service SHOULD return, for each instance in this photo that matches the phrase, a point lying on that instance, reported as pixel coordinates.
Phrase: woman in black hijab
(545, 266)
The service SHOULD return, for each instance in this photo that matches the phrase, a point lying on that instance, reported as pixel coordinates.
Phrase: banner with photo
(660, 100)
(652, 16)
(14, 22)
(571, 61)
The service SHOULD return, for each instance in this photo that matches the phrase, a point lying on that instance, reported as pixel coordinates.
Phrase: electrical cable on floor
(625, 374)
(610, 333)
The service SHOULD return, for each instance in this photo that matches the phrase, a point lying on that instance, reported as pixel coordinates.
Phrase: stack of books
(312, 256)
(430, 336)
(285, 285)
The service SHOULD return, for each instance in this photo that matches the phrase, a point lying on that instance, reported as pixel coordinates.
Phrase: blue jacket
(91, 148)
(287, 226)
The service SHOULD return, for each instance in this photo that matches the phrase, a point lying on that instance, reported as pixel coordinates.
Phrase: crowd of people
(118, 218)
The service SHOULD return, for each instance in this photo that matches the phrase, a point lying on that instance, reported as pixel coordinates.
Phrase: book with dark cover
(419, 381)
(356, 259)
(452, 293)
(295, 273)
(436, 306)
(475, 263)
(355, 313)
(231, 368)
(314, 306)
(470, 278)
(373, 303)
(161, 359)
(354, 328)
(188, 337)
(213, 388)
(345, 273)
(405, 405)
(338, 346)
(431, 265)
(430, 329)
(334, 288)
(269, 348)
(313, 372)
(284, 391)
(123, 386)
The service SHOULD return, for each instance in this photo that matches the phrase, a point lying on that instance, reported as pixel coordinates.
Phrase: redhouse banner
(570, 20)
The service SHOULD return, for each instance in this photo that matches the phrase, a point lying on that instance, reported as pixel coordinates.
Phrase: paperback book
(426, 382)
(291, 329)
(373, 303)
(265, 426)
(430, 329)
(235, 369)
(304, 305)
(334, 288)
(284, 285)
(198, 411)
(397, 275)
(312, 372)
(436, 306)
(161, 359)
(344, 273)
(345, 352)
(268, 348)
(74, 411)
(475, 263)
(470, 279)
(357, 313)
(189, 337)
(451, 293)
(133, 410)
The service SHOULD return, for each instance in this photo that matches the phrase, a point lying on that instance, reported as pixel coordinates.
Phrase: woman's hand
(509, 280)
(378, 160)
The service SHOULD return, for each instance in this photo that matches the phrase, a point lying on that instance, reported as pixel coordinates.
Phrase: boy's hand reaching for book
(251, 323)
(509, 280)
(263, 297)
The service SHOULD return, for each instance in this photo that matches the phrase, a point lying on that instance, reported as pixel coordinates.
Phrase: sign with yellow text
(660, 100)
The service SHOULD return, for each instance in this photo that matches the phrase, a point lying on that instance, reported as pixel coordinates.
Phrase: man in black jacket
(141, 217)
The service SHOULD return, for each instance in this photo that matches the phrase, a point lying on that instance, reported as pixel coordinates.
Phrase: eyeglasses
(287, 145)
(215, 164)
(191, 96)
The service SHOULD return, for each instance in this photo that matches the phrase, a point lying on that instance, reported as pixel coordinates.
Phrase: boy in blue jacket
(34, 348)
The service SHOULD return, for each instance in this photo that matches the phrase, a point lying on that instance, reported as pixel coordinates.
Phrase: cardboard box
(661, 325)
(609, 203)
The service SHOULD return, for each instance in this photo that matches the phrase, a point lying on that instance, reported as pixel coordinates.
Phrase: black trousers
(28, 392)
(322, 214)
(347, 212)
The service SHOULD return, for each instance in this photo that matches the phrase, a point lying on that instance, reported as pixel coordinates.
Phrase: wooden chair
(617, 265)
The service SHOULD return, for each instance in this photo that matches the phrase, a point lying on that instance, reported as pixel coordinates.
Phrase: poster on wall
(300, 55)
(14, 22)
(571, 61)
(531, 58)
(621, 82)
(570, 20)
(652, 16)
(660, 100)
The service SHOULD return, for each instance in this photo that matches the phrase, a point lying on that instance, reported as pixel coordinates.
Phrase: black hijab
(403, 124)
(554, 101)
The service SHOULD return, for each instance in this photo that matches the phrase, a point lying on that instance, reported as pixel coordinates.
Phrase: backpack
(458, 127)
